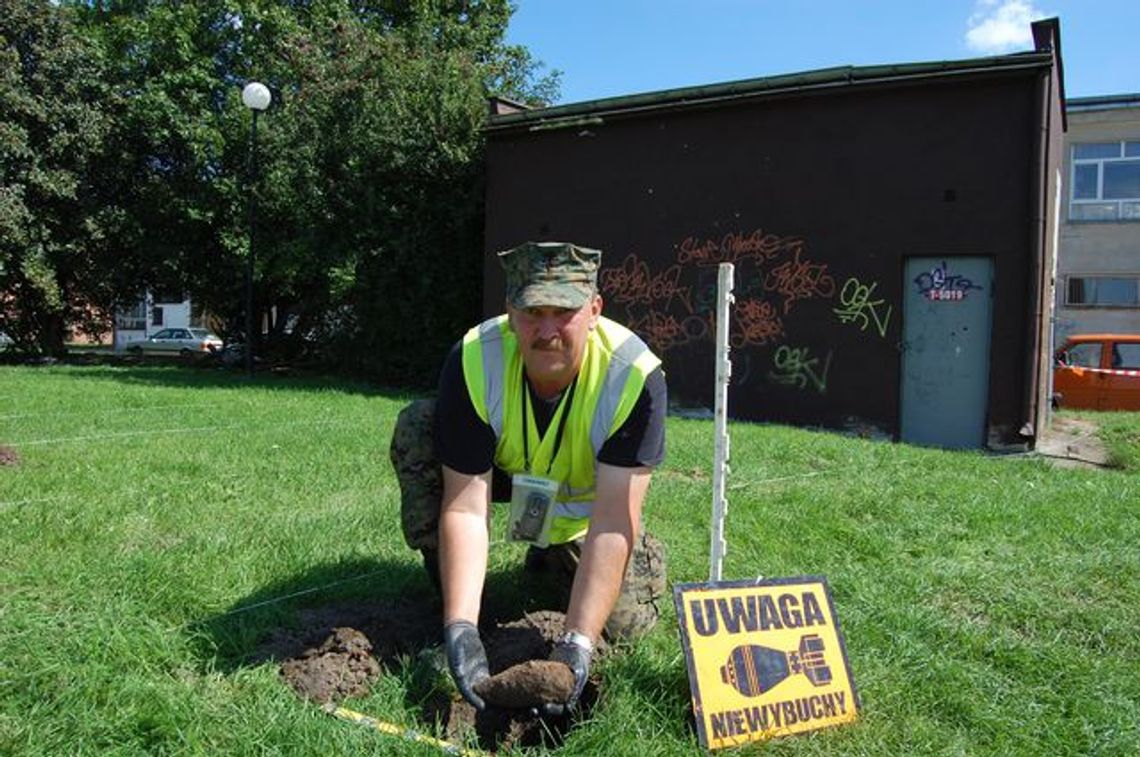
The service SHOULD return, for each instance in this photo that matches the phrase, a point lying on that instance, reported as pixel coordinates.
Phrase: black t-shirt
(464, 443)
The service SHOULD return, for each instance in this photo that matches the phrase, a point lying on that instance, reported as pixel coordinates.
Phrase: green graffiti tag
(796, 367)
(858, 307)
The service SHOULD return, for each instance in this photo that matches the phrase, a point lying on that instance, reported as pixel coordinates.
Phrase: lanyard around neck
(566, 403)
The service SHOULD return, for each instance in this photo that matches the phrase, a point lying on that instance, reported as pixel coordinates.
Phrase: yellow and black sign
(766, 658)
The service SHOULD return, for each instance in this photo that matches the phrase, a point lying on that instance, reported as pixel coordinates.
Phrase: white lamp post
(256, 97)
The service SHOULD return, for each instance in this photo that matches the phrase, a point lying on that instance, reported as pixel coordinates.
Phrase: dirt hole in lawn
(9, 456)
(341, 651)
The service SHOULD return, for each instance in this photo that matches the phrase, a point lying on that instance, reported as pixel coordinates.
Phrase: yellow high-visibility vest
(613, 372)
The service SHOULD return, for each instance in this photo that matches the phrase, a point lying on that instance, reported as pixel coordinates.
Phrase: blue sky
(608, 48)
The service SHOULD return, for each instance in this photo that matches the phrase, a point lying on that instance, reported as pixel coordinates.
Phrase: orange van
(1098, 372)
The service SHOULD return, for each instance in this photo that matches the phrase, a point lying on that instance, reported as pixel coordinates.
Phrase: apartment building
(1098, 261)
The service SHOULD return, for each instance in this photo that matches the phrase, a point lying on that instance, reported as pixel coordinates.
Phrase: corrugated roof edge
(839, 76)
(1104, 102)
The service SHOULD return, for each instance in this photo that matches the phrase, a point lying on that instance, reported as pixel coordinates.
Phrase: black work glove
(467, 659)
(574, 651)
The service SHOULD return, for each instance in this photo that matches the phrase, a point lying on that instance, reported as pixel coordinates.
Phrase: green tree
(58, 228)
(373, 202)
(179, 143)
(369, 199)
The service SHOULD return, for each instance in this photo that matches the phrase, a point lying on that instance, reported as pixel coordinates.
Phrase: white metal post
(720, 460)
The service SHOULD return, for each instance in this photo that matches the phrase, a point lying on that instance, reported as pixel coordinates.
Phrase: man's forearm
(614, 525)
(597, 583)
(462, 563)
(463, 543)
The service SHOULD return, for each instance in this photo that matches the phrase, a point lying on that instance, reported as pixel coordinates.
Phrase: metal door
(947, 310)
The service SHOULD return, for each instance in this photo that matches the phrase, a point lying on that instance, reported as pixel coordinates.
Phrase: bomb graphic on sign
(754, 670)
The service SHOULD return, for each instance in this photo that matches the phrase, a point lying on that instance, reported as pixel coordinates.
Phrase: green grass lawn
(990, 604)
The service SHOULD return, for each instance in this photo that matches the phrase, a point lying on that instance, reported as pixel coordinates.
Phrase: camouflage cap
(550, 274)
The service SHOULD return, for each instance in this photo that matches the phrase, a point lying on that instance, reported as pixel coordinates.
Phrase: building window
(132, 318)
(1103, 291)
(156, 316)
(169, 296)
(1106, 182)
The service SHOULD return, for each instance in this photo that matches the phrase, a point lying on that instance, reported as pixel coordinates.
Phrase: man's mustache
(552, 344)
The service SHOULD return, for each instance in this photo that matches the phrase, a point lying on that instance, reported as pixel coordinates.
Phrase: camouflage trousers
(421, 492)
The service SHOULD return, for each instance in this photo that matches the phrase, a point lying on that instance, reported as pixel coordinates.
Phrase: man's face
(552, 341)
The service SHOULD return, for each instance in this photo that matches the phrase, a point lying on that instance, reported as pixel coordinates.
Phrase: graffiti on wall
(857, 306)
(736, 247)
(938, 284)
(673, 304)
(798, 279)
(796, 367)
(633, 283)
(665, 331)
(756, 323)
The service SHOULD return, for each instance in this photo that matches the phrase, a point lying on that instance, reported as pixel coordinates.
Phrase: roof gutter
(596, 111)
(1106, 102)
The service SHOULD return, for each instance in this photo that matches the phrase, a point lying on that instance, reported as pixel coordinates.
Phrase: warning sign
(766, 658)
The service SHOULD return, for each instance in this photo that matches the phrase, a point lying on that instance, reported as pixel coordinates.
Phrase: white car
(176, 341)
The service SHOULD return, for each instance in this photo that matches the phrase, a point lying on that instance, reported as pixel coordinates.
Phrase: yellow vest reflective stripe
(483, 345)
(614, 367)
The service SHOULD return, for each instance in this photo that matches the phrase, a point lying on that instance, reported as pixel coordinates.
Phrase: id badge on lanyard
(532, 508)
(533, 497)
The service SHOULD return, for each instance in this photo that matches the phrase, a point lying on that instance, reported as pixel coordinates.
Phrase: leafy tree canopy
(56, 112)
(369, 191)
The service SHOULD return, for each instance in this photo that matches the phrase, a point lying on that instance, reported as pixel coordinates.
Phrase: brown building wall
(817, 198)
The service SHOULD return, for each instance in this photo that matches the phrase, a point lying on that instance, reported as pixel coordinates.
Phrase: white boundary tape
(190, 430)
(109, 411)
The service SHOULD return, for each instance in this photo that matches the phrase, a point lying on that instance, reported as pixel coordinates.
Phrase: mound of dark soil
(343, 666)
(340, 651)
(8, 456)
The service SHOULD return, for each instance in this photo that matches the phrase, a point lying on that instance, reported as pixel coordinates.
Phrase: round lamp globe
(256, 96)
